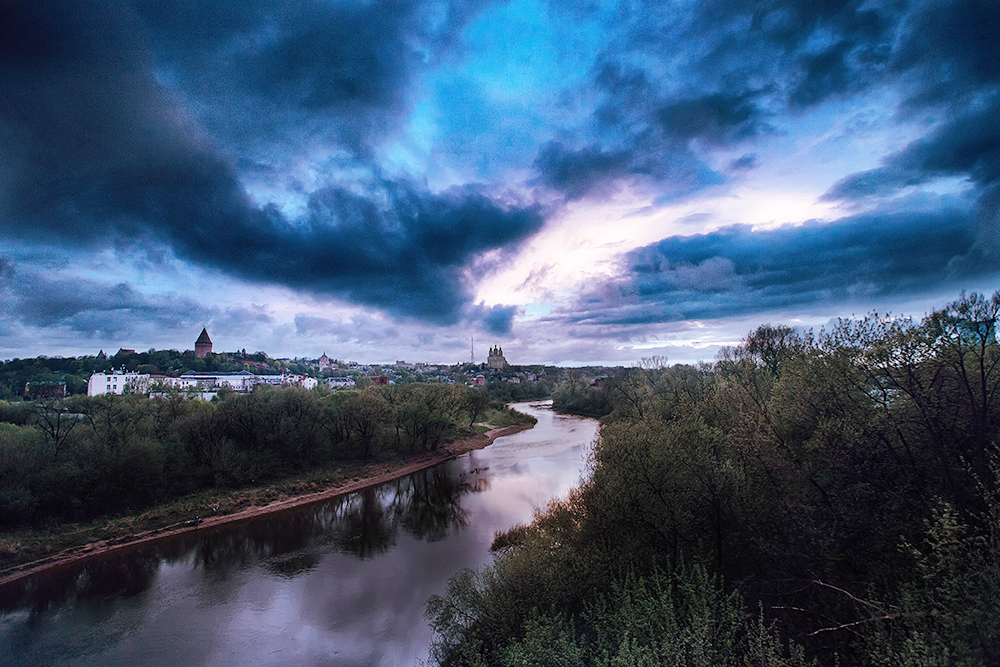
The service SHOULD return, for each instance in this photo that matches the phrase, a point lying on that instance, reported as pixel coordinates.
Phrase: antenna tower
(473, 349)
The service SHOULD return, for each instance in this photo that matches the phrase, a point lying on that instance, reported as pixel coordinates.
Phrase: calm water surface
(338, 583)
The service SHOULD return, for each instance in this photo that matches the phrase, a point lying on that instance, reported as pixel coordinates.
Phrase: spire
(203, 338)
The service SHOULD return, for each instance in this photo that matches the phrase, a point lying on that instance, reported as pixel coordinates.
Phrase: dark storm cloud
(745, 162)
(737, 270)
(395, 247)
(269, 72)
(650, 136)
(967, 145)
(498, 319)
(267, 75)
(796, 54)
(951, 48)
(949, 55)
(673, 89)
(96, 150)
(673, 85)
(577, 172)
(35, 299)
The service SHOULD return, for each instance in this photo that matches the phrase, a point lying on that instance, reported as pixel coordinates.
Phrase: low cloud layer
(89, 308)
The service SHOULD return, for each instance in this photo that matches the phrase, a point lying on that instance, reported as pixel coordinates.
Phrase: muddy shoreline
(372, 476)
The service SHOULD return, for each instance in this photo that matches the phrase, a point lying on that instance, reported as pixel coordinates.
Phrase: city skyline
(578, 183)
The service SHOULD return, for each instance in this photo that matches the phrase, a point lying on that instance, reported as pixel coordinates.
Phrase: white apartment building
(191, 382)
(117, 382)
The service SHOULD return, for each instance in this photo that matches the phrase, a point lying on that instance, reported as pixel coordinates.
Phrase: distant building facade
(496, 359)
(117, 382)
(192, 383)
(203, 346)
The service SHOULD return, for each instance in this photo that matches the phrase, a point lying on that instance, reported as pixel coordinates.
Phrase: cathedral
(496, 360)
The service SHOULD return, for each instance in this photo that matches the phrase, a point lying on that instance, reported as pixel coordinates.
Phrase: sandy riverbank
(372, 475)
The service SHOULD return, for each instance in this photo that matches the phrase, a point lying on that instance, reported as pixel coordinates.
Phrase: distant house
(479, 380)
(339, 382)
(381, 379)
(292, 380)
(324, 362)
(203, 346)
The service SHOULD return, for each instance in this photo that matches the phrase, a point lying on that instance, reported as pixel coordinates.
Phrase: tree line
(84, 457)
(825, 499)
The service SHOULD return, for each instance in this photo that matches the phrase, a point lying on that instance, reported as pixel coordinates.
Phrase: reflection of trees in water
(95, 581)
(365, 528)
(429, 503)
(425, 505)
(367, 523)
(292, 565)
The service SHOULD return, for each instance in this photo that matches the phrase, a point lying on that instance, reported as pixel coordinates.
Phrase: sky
(581, 182)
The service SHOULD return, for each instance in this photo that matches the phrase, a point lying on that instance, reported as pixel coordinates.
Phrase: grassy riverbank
(24, 546)
(25, 551)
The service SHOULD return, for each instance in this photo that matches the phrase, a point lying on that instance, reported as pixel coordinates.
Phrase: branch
(887, 617)
(856, 599)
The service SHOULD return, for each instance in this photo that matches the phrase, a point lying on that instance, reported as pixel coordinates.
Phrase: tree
(475, 402)
(364, 415)
(55, 421)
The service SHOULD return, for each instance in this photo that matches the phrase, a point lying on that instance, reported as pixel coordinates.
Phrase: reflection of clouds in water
(342, 582)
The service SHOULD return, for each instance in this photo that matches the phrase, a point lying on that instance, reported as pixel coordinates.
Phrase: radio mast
(473, 345)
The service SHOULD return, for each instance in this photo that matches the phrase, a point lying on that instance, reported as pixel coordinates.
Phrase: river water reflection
(338, 583)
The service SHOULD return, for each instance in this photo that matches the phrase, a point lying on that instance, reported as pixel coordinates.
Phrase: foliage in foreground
(830, 499)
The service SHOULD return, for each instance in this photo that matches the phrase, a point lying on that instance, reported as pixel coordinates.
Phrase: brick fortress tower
(203, 345)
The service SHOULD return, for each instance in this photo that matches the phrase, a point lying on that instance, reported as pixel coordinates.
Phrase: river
(342, 582)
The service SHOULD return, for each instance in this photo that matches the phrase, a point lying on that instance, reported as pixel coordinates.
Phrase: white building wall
(117, 382)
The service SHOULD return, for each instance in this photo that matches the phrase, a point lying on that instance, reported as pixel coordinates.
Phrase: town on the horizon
(204, 373)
